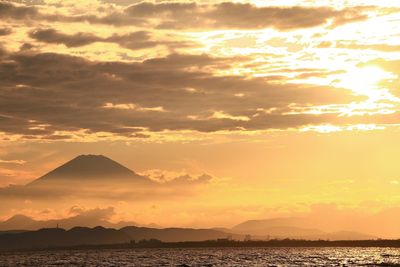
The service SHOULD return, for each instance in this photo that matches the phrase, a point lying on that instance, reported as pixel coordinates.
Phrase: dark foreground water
(208, 257)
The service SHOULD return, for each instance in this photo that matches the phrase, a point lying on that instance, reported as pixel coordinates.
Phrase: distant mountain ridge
(255, 225)
(57, 237)
(22, 222)
(297, 228)
(266, 229)
(48, 238)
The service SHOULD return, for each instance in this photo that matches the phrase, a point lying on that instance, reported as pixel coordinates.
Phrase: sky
(291, 106)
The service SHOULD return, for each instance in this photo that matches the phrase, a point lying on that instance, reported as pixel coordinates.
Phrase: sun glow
(364, 81)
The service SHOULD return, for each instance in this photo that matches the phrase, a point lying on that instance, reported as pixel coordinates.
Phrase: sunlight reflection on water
(208, 257)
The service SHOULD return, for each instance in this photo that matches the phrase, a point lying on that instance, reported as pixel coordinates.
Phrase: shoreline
(286, 243)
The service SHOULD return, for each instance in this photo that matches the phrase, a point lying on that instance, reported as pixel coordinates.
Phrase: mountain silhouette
(87, 219)
(176, 234)
(89, 168)
(53, 237)
(17, 222)
(131, 237)
(297, 228)
(260, 225)
(56, 237)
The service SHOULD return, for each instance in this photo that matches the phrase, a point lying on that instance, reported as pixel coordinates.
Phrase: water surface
(207, 257)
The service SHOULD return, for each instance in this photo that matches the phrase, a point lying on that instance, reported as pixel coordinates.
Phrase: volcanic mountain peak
(88, 167)
(18, 218)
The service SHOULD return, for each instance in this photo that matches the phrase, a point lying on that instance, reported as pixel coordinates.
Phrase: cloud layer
(129, 71)
(200, 16)
(46, 93)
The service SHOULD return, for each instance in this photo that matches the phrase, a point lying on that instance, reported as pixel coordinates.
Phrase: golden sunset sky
(291, 106)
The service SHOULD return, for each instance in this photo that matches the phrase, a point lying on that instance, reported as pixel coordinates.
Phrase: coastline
(289, 243)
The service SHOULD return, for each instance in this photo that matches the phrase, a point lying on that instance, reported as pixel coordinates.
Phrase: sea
(206, 257)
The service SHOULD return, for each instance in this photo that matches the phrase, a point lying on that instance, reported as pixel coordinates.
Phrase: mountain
(57, 237)
(89, 168)
(53, 237)
(296, 228)
(18, 222)
(292, 232)
(50, 238)
(348, 235)
(176, 234)
(259, 226)
(21, 222)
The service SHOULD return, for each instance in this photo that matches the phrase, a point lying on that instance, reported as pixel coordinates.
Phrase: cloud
(16, 161)
(157, 185)
(357, 46)
(77, 216)
(186, 180)
(392, 66)
(3, 52)
(143, 39)
(131, 106)
(88, 193)
(133, 41)
(92, 214)
(238, 15)
(52, 36)
(167, 178)
(5, 31)
(389, 65)
(189, 15)
(9, 10)
(121, 2)
(46, 95)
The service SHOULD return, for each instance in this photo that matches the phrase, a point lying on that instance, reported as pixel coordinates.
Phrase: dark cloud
(9, 10)
(52, 36)
(29, 2)
(3, 52)
(5, 31)
(203, 16)
(143, 39)
(149, 9)
(41, 94)
(239, 16)
(134, 40)
(26, 46)
(121, 2)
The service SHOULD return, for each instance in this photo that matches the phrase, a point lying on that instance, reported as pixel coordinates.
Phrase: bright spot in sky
(364, 81)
